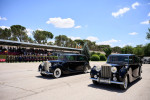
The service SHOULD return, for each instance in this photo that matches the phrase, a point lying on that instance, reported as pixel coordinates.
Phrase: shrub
(92, 53)
(102, 57)
(98, 54)
(95, 58)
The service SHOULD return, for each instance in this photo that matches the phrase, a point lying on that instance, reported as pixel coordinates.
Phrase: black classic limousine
(120, 69)
(66, 64)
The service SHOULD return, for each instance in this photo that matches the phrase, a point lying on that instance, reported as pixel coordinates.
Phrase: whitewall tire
(57, 73)
(125, 85)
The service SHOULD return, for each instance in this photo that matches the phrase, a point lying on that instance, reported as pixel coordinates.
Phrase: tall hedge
(85, 51)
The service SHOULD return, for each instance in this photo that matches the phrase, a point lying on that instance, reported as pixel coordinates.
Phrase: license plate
(104, 80)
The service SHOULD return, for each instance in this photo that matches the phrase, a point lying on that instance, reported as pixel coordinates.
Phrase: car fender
(40, 67)
(123, 71)
(130, 75)
(56, 66)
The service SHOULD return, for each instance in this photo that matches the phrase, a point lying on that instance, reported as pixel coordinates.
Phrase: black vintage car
(120, 69)
(66, 64)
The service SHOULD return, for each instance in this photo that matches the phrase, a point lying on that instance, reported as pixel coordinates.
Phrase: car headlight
(97, 68)
(126, 66)
(113, 69)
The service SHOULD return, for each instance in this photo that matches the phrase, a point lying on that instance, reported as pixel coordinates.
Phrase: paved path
(21, 81)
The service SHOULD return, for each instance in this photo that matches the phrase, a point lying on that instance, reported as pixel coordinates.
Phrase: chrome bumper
(47, 73)
(109, 82)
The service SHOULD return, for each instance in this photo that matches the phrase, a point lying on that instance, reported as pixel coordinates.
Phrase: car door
(80, 63)
(134, 66)
(137, 66)
(72, 63)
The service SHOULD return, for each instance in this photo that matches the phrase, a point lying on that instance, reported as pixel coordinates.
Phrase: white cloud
(74, 38)
(29, 32)
(120, 12)
(61, 23)
(133, 33)
(77, 27)
(149, 14)
(109, 42)
(3, 27)
(135, 4)
(92, 38)
(145, 22)
(3, 18)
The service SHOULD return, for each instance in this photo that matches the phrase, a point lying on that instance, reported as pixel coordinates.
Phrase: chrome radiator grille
(46, 67)
(106, 71)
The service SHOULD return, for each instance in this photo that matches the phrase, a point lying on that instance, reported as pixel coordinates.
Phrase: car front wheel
(57, 73)
(124, 86)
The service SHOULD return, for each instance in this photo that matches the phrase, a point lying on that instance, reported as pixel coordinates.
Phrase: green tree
(107, 51)
(138, 50)
(148, 34)
(147, 50)
(42, 36)
(5, 34)
(19, 32)
(30, 40)
(61, 40)
(69, 42)
(50, 43)
(91, 45)
(102, 47)
(79, 42)
(116, 49)
(127, 50)
(85, 51)
(73, 44)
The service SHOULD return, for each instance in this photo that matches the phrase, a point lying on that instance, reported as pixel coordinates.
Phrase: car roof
(122, 54)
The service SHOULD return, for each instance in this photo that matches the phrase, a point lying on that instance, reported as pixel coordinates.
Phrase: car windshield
(117, 59)
(67, 57)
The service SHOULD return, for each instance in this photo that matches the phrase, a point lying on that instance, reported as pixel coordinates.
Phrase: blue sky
(113, 22)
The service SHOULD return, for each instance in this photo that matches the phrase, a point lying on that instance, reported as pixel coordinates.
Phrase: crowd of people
(17, 54)
(11, 59)
(23, 51)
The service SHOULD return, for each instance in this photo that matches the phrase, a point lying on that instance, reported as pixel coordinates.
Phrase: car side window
(131, 59)
(136, 59)
(81, 58)
(71, 58)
